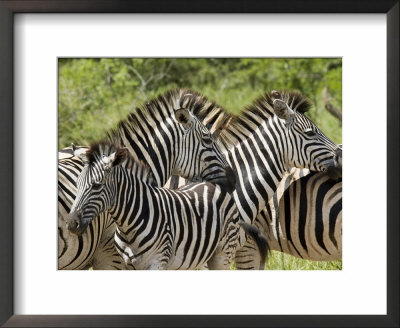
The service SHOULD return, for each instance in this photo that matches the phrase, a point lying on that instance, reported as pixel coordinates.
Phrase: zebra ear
(80, 153)
(283, 111)
(119, 156)
(183, 116)
(276, 94)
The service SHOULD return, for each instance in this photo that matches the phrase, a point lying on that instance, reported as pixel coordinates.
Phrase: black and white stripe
(310, 218)
(270, 137)
(303, 218)
(167, 133)
(307, 225)
(157, 228)
(265, 141)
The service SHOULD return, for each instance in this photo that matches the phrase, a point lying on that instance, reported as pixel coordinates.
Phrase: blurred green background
(95, 93)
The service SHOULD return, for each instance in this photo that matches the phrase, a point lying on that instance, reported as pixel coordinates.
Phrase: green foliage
(94, 94)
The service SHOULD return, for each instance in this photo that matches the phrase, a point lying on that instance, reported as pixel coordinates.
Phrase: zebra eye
(207, 141)
(97, 186)
(310, 132)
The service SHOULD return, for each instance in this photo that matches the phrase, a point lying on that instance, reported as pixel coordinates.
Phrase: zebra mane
(106, 148)
(240, 126)
(157, 109)
(98, 148)
(140, 169)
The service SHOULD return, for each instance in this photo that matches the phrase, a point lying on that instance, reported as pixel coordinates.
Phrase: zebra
(168, 134)
(269, 138)
(304, 217)
(158, 228)
(83, 251)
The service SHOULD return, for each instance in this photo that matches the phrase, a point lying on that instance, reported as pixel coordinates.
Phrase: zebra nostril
(71, 225)
(74, 226)
(73, 222)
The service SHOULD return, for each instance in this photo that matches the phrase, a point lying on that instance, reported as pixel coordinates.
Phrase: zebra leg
(204, 267)
(223, 256)
(157, 266)
(248, 257)
(219, 262)
(160, 261)
(106, 256)
(261, 242)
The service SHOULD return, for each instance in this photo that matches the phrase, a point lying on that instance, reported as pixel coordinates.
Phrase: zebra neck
(259, 161)
(136, 214)
(132, 196)
(149, 147)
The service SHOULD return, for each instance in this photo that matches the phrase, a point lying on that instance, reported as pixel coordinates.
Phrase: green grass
(282, 261)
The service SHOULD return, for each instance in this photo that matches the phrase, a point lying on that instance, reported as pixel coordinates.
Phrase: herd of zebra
(265, 179)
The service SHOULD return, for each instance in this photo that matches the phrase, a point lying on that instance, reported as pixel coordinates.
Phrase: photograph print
(199, 164)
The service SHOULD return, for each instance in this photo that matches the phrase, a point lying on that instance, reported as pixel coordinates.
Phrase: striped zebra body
(303, 218)
(306, 224)
(190, 235)
(310, 219)
(168, 134)
(158, 228)
(273, 229)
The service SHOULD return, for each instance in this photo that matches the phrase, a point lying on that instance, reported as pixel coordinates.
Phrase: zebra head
(198, 157)
(172, 134)
(96, 184)
(306, 145)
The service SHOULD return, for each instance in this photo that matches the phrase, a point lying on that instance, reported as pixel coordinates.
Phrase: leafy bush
(95, 93)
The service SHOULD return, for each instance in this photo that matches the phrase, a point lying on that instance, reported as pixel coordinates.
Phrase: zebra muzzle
(335, 172)
(332, 169)
(74, 223)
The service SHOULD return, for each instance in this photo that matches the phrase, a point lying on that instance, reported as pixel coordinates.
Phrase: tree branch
(329, 107)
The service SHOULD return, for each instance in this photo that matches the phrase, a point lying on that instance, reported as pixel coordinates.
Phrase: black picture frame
(7, 11)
